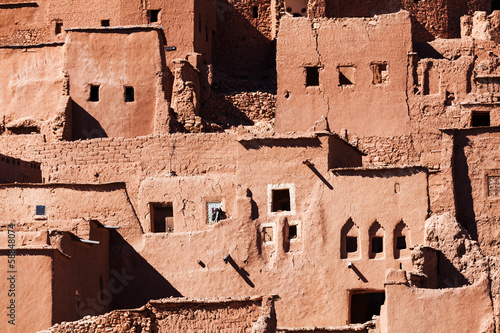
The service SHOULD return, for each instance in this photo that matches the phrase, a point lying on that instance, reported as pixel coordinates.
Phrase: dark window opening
(255, 10)
(366, 305)
(105, 23)
(379, 73)
(495, 5)
(129, 94)
(199, 23)
(312, 76)
(303, 10)
(351, 244)
(25, 130)
(296, 15)
(292, 232)
(40, 210)
(281, 200)
(267, 234)
(346, 75)
(59, 26)
(480, 119)
(154, 15)
(401, 243)
(206, 32)
(377, 244)
(94, 93)
(162, 217)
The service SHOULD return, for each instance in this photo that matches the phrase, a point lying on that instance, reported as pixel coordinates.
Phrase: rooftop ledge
(118, 28)
(19, 4)
(16, 46)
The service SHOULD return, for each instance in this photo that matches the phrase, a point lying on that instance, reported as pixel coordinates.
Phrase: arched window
(401, 240)
(349, 241)
(376, 233)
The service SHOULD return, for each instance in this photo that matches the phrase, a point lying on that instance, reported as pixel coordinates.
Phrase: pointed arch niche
(376, 247)
(401, 240)
(349, 240)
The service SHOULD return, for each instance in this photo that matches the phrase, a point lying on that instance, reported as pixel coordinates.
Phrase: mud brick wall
(177, 315)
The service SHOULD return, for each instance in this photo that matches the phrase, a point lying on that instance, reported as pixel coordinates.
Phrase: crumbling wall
(183, 314)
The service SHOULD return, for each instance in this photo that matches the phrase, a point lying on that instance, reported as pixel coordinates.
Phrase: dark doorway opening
(365, 305)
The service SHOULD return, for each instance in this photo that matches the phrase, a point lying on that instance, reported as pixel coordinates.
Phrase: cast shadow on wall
(144, 282)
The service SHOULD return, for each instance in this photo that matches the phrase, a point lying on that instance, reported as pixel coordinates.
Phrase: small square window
(493, 186)
(346, 75)
(377, 244)
(281, 200)
(214, 212)
(267, 234)
(154, 15)
(162, 217)
(40, 210)
(58, 28)
(129, 94)
(94, 93)
(312, 76)
(292, 232)
(351, 244)
(480, 119)
(380, 74)
(105, 23)
(401, 243)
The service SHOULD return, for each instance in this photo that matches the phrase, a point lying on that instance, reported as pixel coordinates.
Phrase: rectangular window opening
(351, 244)
(58, 28)
(401, 242)
(366, 305)
(105, 23)
(281, 200)
(129, 94)
(154, 15)
(162, 217)
(377, 244)
(94, 93)
(346, 75)
(493, 186)
(480, 119)
(292, 232)
(267, 234)
(312, 76)
(199, 23)
(214, 212)
(255, 12)
(40, 210)
(379, 73)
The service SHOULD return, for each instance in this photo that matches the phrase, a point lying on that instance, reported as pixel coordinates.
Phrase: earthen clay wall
(32, 82)
(113, 60)
(30, 315)
(476, 163)
(468, 309)
(243, 44)
(13, 170)
(303, 43)
(217, 315)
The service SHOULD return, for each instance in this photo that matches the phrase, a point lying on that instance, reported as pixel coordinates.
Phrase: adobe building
(253, 166)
